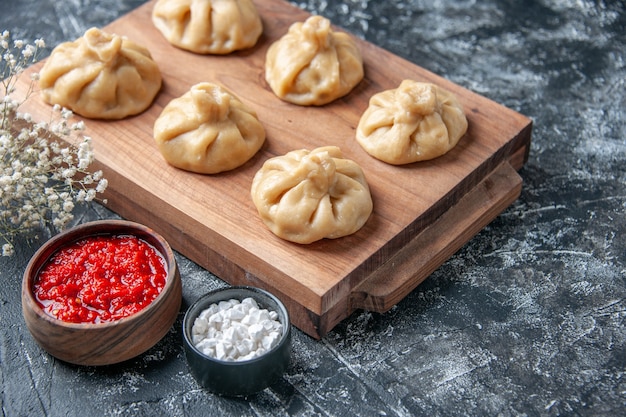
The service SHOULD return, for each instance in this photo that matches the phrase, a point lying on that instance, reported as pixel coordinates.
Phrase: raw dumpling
(100, 76)
(304, 196)
(312, 64)
(415, 122)
(208, 26)
(208, 130)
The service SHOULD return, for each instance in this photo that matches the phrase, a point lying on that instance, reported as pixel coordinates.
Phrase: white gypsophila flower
(68, 206)
(83, 163)
(40, 163)
(59, 222)
(27, 117)
(81, 196)
(102, 185)
(66, 114)
(29, 51)
(91, 194)
(68, 173)
(7, 249)
(79, 126)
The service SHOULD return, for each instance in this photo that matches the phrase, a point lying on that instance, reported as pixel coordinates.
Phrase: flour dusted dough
(312, 64)
(415, 122)
(208, 130)
(100, 76)
(304, 196)
(208, 26)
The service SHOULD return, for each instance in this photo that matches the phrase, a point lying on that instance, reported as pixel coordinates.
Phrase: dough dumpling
(312, 65)
(208, 26)
(415, 122)
(208, 130)
(100, 76)
(304, 196)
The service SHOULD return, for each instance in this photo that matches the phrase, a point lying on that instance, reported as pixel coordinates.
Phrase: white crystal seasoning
(236, 330)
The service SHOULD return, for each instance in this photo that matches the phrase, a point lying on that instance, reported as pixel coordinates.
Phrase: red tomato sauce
(100, 279)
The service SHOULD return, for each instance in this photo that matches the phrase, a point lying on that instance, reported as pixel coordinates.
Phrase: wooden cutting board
(423, 212)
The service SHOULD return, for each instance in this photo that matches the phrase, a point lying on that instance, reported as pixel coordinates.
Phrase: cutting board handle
(401, 274)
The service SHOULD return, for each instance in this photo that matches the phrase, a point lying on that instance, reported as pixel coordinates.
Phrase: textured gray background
(527, 319)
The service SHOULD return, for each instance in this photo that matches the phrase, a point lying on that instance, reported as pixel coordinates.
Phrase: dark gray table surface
(528, 319)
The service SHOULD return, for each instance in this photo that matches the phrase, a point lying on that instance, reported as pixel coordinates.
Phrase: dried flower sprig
(41, 179)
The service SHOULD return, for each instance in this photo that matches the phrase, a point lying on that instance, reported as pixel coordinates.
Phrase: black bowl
(245, 377)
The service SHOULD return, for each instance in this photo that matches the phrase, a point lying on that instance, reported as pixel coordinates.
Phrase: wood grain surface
(211, 218)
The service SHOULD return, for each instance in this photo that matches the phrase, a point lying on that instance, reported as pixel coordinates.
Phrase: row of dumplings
(106, 76)
(302, 196)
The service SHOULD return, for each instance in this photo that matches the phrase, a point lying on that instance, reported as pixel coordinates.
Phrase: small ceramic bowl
(243, 377)
(107, 342)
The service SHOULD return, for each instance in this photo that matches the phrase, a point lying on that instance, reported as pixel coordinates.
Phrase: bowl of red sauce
(101, 293)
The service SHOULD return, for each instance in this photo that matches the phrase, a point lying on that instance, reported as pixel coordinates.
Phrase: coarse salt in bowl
(237, 340)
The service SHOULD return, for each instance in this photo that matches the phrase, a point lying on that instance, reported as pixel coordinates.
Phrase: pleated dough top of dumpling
(100, 76)
(304, 196)
(312, 64)
(208, 26)
(415, 122)
(208, 130)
